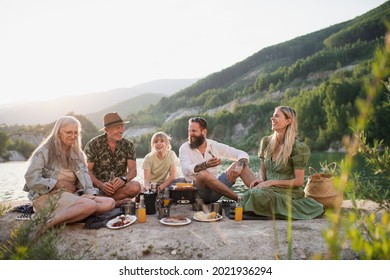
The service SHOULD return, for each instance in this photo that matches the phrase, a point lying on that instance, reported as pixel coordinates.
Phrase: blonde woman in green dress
(282, 172)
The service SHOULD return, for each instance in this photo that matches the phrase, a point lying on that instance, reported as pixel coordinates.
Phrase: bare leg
(104, 204)
(126, 193)
(83, 208)
(246, 174)
(205, 179)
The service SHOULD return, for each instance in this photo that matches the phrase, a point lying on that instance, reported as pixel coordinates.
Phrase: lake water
(12, 174)
(12, 179)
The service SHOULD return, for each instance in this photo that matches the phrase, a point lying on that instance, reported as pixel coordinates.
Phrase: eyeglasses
(70, 133)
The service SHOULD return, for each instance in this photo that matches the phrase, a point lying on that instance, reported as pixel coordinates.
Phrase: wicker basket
(320, 187)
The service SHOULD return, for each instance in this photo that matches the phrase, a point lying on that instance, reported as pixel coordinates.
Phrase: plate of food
(121, 221)
(175, 221)
(207, 217)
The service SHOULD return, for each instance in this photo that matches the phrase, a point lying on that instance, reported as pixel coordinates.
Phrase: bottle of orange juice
(142, 210)
(238, 210)
(166, 197)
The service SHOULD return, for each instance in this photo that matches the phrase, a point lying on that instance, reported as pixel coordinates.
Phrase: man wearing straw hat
(111, 161)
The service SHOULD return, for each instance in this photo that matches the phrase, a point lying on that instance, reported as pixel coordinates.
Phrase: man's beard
(199, 140)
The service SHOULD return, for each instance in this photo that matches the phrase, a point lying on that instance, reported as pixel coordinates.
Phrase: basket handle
(330, 165)
(311, 169)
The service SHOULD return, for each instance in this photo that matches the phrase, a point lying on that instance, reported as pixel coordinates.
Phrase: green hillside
(129, 106)
(320, 75)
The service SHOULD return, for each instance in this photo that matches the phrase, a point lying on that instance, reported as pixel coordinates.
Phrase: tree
(3, 142)
(339, 106)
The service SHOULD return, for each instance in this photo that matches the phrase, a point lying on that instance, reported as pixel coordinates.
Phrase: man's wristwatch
(124, 179)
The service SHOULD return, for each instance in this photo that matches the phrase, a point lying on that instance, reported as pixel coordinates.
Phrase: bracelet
(205, 164)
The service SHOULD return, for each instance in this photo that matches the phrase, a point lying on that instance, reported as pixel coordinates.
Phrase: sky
(54, 48)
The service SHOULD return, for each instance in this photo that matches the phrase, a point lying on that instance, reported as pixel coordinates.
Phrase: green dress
(265, 201)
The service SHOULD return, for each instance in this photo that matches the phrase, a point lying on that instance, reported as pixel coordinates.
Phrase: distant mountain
(44, 112)
(126, 107)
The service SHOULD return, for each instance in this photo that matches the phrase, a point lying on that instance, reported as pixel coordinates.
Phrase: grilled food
(202, 216)
(122, 220)
(175, 219)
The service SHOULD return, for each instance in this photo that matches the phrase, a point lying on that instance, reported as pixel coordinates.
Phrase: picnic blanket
(228, 207)
(99, 221)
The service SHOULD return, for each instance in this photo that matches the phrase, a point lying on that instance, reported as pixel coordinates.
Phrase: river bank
(221, 240)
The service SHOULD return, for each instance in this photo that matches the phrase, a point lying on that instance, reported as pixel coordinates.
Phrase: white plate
(219, 217)
(186, 222)
(111, 222)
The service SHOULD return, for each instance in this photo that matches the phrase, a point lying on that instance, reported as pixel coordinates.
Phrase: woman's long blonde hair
(290, 135)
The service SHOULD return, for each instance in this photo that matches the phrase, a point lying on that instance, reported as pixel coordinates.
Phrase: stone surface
(222, 240)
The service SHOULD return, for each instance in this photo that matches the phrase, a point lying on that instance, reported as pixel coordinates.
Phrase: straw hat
(111, 119)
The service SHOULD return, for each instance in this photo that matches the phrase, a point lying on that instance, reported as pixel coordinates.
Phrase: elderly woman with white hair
(282, 172)
(57, 177)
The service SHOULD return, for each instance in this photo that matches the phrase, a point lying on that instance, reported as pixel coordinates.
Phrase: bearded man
(200, 158)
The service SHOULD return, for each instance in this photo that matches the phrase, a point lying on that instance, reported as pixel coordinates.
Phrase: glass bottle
(142, 210)
(166, 197)
(112, 176)
(153, 187)
(159, 202)
(238, 210)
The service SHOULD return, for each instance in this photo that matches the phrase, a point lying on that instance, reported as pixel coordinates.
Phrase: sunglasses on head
(199, 120)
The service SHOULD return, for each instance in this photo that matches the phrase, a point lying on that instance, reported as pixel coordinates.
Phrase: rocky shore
(14, 156)
(221, 240)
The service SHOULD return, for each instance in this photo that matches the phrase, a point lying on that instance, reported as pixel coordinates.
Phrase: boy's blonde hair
(160, 135)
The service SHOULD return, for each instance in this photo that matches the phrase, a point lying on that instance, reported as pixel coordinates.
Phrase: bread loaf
(212, 215)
